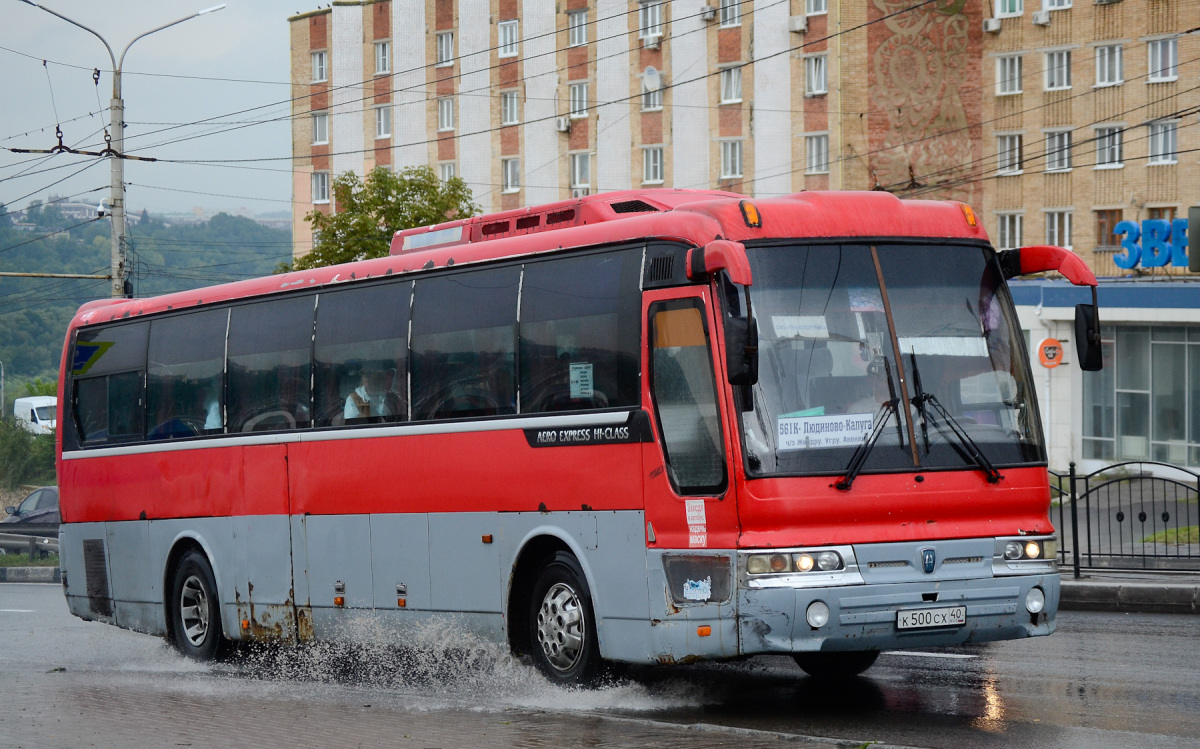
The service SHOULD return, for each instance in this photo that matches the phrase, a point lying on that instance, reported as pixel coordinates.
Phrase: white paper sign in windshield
(810, 432)
(800, 326)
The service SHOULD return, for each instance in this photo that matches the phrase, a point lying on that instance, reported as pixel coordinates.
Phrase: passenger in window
(374, 397)
(212, 410)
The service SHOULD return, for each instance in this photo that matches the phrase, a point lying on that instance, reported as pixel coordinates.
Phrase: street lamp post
(117, 130)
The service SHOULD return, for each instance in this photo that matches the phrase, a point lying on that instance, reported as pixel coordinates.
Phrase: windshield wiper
(859, 458)
(967, 445)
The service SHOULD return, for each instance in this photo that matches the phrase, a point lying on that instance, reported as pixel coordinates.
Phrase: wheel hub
(560, 627)
(194, 610)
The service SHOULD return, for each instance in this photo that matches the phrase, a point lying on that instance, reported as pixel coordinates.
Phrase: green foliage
(24, 458)
(1185, 536)
(34, 312)
(38, 386)
(370, 211)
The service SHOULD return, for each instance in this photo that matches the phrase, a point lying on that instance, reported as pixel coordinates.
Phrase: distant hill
(34, 312)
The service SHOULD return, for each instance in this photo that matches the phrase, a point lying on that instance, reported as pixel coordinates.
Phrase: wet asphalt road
(1104, 680)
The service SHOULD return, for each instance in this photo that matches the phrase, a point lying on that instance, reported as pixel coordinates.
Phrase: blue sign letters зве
(1161, 242)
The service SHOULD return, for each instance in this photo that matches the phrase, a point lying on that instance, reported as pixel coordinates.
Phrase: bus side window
(270, 358)
(108, 370)
(685, 397)
(361, 365)
(184, 375)
(464, 344)
(579, 332)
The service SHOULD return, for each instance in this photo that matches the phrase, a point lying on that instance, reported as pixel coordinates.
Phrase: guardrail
(33, 544)
(1133, 515)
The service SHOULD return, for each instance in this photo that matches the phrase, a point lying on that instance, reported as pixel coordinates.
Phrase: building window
(1058, 228)
(1010, 7)
(1008, 234)
(1008, 75)
(383, 57)
(815, 79)
(651, 100)
(1138, 406)
(445, 49)
(579, 100)
(320, 187)
(446, 171)
(581, 171)
(816, 7)
(1162, 142)
(1164, 56)
(445, 114)
(1058, 151)
(652, 165)
(1109, 151)
(320, 129)
(508, 108)
(577, 28)
(1058, 70)
(731, 13)
(320, 67)
(1162, 214)
(1058, 4)
(1109, 70)
(511, 175)
(1008, 154)
(731, 85)
(1106, 221)
(383, 121)
(731, 158)
(650, 20)
(816, 154)
(508, 38)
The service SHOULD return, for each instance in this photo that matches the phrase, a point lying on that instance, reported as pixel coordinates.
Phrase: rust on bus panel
(273, 623)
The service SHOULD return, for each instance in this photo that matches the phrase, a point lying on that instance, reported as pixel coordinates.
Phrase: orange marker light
(400, 602)
(968, 214)
(750, 214)
(487, 539)
(339, 600)
(704, 630)
(245, 624)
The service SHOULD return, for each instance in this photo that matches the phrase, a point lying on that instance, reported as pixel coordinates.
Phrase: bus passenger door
(691, 515)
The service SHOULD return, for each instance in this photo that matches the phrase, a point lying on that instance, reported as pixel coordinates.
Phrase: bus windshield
(920, 337)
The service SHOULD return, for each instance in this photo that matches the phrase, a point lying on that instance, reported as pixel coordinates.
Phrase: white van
(38, 413)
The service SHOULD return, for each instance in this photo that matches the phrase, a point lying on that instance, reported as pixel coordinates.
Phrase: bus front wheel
(195, 610)
(562, 625)
(836, 665)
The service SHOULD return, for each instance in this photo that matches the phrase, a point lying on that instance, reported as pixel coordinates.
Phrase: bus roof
(694, 216)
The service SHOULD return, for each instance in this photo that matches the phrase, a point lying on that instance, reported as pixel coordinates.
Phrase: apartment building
(532, 102)
(1091, 130)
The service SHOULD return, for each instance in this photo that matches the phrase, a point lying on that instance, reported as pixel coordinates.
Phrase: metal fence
(1138, 515)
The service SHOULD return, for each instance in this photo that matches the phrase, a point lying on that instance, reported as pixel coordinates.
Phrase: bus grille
(95, 568)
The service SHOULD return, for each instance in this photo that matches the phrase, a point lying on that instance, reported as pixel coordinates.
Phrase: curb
(30, 575)
(1151, 598)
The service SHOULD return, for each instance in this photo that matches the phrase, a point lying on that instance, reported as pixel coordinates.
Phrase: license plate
(922, 618)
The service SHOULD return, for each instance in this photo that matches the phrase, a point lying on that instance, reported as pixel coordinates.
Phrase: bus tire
(195, 610)
(836, 665)
(562, 625)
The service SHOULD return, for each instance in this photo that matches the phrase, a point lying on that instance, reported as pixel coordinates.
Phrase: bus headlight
(1032, 550)
(1013, 550)
(804, 562)
(817, 614)
(829, 561)
(1035, 600)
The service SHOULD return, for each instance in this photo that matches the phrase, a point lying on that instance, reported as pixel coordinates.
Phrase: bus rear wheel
(562, 625)
(195, 610)
(836, 665)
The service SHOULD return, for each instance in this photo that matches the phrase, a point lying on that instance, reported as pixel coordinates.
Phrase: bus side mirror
(1041, 258)
(741, 350)
(1087, 336)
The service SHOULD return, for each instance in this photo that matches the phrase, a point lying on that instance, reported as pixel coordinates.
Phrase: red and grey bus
(650, 427)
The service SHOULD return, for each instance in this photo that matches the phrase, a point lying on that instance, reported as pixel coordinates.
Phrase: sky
(168, 84)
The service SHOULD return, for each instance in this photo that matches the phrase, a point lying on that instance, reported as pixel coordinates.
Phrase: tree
(5, 217)
(369, 211)
(38, 386)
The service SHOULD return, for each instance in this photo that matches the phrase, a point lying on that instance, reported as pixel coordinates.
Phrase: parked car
(37, 414)
(41, 506)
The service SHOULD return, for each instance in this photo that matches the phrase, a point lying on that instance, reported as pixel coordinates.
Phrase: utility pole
(116, 146)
